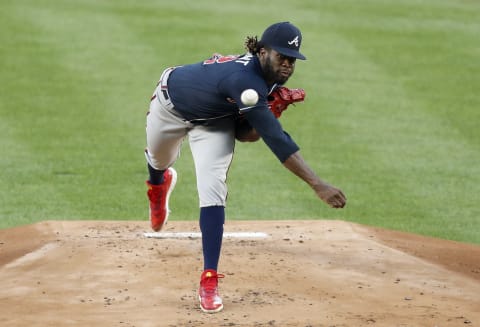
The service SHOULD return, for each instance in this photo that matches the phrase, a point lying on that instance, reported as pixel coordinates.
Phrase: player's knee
(156, 161)
(212, 193)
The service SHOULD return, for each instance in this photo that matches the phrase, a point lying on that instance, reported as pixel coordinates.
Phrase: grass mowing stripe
(28, 191)
(101, 59)
(76, 131)
(421, 141)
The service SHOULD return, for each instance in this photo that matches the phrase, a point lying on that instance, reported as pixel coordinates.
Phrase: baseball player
(202, 101)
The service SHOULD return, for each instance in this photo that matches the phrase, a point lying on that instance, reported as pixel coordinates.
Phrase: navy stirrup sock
(211, 225)
(155, 176)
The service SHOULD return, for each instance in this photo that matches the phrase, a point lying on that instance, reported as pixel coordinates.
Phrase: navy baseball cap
(284, 38)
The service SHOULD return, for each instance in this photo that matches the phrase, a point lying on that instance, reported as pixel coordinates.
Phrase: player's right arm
(272, 133)
(331, 195)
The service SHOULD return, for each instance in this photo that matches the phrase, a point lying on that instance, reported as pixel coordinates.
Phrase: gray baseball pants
(211, 145)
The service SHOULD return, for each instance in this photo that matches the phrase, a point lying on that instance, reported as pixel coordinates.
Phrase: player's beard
(274, 75)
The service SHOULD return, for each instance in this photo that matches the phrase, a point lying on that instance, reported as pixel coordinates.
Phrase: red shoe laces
(209, 284)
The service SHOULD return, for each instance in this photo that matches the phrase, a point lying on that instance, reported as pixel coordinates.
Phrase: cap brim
(289, 53)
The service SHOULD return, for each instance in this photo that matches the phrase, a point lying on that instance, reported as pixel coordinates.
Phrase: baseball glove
(282, 97)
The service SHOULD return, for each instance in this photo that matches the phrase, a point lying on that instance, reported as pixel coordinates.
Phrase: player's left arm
(244, 132)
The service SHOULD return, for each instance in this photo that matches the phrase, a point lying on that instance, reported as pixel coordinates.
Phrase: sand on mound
(303, 273)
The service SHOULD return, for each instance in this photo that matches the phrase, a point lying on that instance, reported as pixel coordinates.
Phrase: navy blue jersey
(212, 89)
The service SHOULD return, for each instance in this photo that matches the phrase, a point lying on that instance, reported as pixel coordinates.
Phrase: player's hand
(244, 132)
(331, 195)
(282, 97)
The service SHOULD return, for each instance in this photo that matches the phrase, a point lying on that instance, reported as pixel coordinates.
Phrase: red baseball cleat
(159, 196)
(210, 301)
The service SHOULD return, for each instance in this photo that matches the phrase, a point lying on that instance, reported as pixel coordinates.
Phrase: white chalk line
(199, 235)
(32, 256)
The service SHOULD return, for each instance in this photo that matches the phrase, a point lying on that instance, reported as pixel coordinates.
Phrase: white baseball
(249, 97)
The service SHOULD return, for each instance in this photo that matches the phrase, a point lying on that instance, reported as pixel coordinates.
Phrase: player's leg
(165, 133)
(212, 150)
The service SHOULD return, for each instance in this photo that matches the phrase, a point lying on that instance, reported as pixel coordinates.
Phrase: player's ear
(262, 52)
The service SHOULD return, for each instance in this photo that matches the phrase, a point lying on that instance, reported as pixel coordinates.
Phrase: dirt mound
(304, 273)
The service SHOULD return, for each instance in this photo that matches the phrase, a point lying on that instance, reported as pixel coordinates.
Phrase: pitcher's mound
(294, 273)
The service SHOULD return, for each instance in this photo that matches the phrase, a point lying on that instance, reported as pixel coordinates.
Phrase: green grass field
(392, 112)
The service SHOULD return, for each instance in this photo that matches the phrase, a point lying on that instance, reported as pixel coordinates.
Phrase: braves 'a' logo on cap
(294, 41)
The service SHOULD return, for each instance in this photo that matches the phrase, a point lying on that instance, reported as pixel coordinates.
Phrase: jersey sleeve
(236, 83)
(259, 116)
(272, 133)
